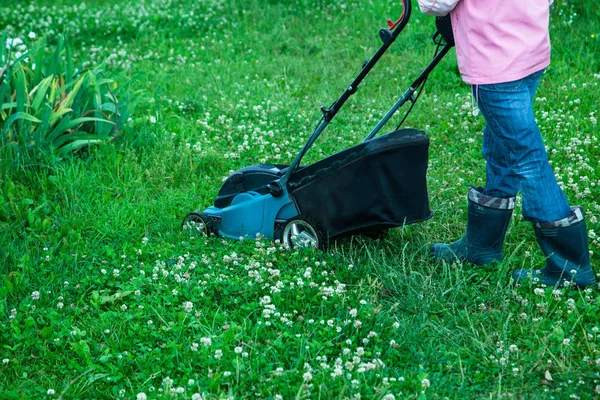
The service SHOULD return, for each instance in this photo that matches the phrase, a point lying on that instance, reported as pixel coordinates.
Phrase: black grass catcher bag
(376, 185)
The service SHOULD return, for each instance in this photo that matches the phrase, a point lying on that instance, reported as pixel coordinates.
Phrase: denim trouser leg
(514, 150)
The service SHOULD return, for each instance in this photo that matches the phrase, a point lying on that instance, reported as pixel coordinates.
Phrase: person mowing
(502, 49)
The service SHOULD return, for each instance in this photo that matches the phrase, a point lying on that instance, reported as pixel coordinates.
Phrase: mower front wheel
(198, 224)
(302, 232)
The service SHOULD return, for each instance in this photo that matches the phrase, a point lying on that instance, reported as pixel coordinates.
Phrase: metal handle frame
(388, 36)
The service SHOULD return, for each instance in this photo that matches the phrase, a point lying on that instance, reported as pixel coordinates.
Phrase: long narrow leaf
(39, 58)
(97, 99)
(3, 50)
(21, 89)
(65, 125)
(110, 107)
(53, 89)
(67, 101)
(55, 63)
(41, 89)
(19, 116)
(5, 92)
(59, 129)
(61, 88)
(56, 115)
(8, 105)
(72, 137)
(77, 145)
(104, 81)
(69, 72)
(46, 113)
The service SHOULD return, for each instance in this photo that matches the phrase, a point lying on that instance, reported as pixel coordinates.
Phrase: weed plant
(103, 296)
(50, 108)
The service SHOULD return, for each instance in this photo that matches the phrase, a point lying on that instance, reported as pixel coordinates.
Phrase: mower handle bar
(388, 36)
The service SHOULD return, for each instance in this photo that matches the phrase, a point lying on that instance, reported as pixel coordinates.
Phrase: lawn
(102, 295)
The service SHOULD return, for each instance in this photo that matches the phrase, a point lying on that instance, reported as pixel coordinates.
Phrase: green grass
(241, 82)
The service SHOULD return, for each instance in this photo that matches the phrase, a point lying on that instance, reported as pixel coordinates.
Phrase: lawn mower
(369, 188)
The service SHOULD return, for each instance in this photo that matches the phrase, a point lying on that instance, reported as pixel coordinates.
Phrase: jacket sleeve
(437, 7)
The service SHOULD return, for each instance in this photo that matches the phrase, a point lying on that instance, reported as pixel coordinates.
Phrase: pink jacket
(496, 40)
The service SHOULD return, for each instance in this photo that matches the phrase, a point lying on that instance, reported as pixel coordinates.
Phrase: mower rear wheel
(302, 232)
(198, 224)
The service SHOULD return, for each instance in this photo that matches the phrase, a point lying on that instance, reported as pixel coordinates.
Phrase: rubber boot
(565, 245)
(487, 222)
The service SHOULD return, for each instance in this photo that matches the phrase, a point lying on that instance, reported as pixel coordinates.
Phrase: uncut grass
(453, 327)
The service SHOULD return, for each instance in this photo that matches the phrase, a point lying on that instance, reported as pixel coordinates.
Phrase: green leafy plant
(49, 107)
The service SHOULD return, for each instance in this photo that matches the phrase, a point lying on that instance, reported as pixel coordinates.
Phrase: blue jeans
(514, 150)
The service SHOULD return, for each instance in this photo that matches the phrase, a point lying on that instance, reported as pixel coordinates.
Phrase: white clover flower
(50, 392)
(307, 376)
(218, 354)
(141, 396)
(31, 35)
(35, 295)
(10, 43)
(188, 306)
(425, 383)
(337, 371)
(5, 361)
(238, 350)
